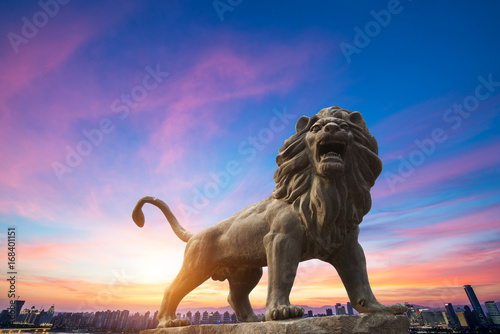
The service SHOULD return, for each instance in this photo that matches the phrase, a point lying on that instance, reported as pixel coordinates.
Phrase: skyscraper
(226, 318)
(349, 309)
(475, 305)
(145, 321)
(472, 321)
(196, 318)
(412, 313)
(204, 320)
(216, 319)
(493, 311)
(461, 318)
(339, 309)
(452, 316)
(18, 305)
(45, 321)
(122, 322)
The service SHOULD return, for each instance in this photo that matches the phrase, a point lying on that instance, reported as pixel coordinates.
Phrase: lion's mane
(328, 208)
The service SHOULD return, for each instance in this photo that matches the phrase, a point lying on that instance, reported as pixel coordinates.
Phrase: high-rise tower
(18, 304)
(493, 311)
(452, 315)
(475, 305)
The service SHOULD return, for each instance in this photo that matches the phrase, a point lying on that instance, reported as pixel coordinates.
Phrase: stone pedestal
(378, 323)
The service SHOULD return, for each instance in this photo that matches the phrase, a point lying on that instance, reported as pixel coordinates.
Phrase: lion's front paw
(284, 312)
(396, 308)
(173, 323)
(367, 307)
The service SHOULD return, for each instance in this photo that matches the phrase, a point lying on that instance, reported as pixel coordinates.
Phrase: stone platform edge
(375, 323)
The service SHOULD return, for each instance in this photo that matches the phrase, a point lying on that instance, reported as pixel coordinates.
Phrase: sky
(103, 102)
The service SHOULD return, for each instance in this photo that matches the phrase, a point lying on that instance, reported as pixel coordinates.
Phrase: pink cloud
(429, 173)
(198, 99)
(33, 135)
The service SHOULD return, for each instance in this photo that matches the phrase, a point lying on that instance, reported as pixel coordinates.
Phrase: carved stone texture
(323, 181)
(375, 323)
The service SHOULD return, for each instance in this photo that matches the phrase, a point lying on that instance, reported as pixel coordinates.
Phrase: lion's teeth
(331, 154)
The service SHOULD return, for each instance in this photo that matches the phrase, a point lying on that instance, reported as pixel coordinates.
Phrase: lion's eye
(315, 128)
(344, 126)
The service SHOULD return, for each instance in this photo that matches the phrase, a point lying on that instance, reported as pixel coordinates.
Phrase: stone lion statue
(325, 172)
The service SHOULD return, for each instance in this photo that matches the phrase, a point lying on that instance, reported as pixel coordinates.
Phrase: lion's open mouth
(331, 150)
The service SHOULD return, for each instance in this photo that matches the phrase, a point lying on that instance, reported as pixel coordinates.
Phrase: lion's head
(326, 171)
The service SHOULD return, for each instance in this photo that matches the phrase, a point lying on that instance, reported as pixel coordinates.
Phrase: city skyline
(450, 317)
(101, 104)
(340, 308)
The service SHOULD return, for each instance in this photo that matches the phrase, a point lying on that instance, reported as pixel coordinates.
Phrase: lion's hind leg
(241, 283)
(186, 281)
(196, 269)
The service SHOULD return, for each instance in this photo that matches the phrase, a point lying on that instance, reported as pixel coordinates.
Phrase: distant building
(189, 317)
(445, 318)
(329, 311)
(493, 312)
(476, 306)
(310, 313)
(98, 318)
(28, 317)
(441, 317)
(452, 316)
(155, 320)
(349, 309)
(233, 318)
(122, 321)
(429, 317)
(461, 319)
(196, 320)
(18, 305)
(107, 317)
(46, 320)
(204, 320)
(339, 309)
(412, 314)
(216, 319)
(470, 317)
(225, 318)
(115, 317)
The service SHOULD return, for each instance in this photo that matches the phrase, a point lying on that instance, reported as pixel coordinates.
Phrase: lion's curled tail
(138, 216)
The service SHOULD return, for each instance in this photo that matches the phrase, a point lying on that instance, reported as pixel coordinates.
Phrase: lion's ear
(356, 118)
(301, 124)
